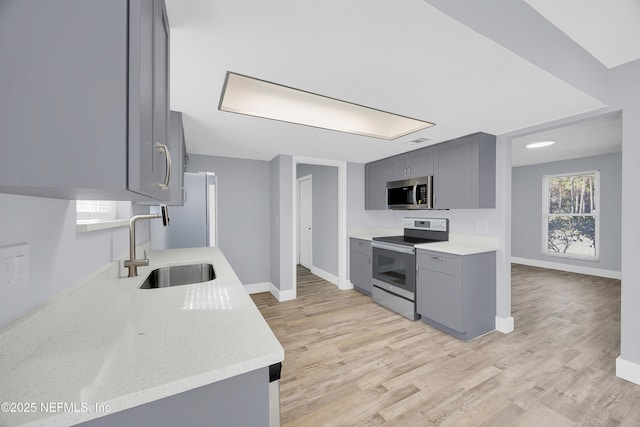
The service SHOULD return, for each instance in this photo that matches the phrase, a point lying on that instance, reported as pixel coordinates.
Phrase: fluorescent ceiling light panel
(253, 97)
(540, 144)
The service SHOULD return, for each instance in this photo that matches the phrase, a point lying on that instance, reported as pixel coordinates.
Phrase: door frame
(299, 181)
(342, 282)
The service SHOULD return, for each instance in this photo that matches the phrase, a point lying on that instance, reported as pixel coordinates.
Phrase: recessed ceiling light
(540, 144)
(254, 97)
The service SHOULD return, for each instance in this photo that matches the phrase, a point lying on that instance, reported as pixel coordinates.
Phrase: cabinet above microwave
(464, 173)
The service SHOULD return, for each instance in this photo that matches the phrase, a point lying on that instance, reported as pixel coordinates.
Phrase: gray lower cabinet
(465, 172)
(360, 265)
(376, 175)
(85, 99)
(241, 401)
(455, 293)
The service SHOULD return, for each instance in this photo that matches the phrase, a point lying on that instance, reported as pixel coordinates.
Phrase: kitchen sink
(177, 275)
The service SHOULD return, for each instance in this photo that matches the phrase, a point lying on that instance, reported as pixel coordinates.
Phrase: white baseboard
(282, 296)
(326, 276)
(611, 274)
(256, 288)
(504, 325)
(628, 370)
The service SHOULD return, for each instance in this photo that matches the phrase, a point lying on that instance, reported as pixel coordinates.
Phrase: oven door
(394, 269)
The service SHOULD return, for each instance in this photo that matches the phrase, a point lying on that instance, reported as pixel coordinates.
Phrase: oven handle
(395, 248)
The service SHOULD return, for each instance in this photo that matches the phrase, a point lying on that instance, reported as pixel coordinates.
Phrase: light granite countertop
(458, 244)
(105, 343)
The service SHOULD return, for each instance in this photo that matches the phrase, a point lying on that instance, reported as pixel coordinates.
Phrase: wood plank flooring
(350, 362)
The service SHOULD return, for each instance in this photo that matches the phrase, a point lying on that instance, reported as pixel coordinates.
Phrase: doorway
(305, 221)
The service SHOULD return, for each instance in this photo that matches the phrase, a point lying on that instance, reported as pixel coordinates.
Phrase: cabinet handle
(184, 195)
(417, 271)
(437, 258)
(409, 170)
(167, 156)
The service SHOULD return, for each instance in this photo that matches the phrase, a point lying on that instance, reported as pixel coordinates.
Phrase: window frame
(123, 212)
(546, 215)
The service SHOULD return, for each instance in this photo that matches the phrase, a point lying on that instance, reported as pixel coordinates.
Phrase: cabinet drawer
(438, 262)
(361, 246)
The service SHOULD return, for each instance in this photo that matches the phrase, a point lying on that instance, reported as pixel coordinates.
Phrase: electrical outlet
(14, 268)
(482, 224)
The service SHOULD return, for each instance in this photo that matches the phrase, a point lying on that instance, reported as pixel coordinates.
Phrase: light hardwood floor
(350, 362)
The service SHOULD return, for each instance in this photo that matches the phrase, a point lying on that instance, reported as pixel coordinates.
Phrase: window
(104, 210)
(571, 215)
(94, 215)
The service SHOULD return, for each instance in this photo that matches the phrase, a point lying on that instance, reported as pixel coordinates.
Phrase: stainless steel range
(394, 263)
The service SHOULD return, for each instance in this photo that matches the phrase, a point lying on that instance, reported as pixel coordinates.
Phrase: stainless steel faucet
(132, 263)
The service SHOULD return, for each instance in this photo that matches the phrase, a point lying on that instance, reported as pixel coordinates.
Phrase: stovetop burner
(418, 231)
(405, 240)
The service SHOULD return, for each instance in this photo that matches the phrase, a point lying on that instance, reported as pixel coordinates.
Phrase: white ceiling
(599, 135)
(403, 57)
(608, 30)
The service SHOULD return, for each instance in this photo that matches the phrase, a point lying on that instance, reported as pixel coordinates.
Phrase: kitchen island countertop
(105, 343)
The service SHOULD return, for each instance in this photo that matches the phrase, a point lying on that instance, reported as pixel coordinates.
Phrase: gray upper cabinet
(465, 172)
(179, 158)
(376, 177)
(413, 164)
(85, 99)
(455, 293)
(421, 162)
(360, 272)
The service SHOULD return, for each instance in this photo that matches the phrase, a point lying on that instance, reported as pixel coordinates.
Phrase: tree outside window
(571, 215)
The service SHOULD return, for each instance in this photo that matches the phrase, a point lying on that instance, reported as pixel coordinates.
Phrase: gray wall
(243, 189)
(325, 215)
(59, 256)
(619, 88)
(281, 245)
(274, 224)
(526, 197)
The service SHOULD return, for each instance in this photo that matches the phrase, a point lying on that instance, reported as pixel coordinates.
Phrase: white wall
(59, 256)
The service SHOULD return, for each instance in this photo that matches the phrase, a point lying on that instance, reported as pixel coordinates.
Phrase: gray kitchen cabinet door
(360, 265)
(79, 99)
(421, 162)
(414, 164)
(398, 167)
(179, 157)
(456, 293)
(376, 176)
(440, 294)
(149, 103)
(465, 172)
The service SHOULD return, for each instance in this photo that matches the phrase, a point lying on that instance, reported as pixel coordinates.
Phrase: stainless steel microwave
(415, 193)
